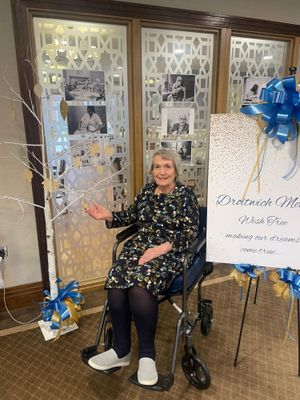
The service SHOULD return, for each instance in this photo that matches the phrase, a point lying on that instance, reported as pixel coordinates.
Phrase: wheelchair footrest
(88, 352)
(91, 351)
(164, 383)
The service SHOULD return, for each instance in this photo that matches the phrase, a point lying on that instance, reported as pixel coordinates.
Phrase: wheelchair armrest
(197, 244)
(126, 233)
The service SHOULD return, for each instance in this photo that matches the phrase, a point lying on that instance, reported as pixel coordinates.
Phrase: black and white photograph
(80, 151)
(179, 88)
(183, 148)
(87, 120)
(84, 85)
(252, 87)
(177, 121)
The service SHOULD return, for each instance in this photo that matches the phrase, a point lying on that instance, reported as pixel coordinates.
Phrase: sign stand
(244, 316)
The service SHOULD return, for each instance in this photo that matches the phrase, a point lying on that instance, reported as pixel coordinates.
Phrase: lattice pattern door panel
(167, 55)
(86, 65)
(250, 57)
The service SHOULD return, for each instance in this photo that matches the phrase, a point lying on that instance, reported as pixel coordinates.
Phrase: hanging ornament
(28, 175)
(51, 185)
(94, 149)
(38, 90)
(77, 162)
(63, 109)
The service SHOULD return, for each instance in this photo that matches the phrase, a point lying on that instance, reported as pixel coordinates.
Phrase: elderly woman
(167, 216)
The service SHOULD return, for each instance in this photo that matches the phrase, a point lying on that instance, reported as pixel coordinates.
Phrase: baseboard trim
(29, 294)
(21, 296)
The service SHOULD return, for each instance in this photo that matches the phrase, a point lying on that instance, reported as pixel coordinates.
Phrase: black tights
(142, 305)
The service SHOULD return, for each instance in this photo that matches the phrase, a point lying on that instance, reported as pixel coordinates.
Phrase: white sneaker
(107, 360)
(147, 374)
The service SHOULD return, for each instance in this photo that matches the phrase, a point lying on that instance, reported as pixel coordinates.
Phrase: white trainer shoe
(147, 373)
(107, 360)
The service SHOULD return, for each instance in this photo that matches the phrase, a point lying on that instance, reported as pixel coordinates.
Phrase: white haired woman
(166, 212)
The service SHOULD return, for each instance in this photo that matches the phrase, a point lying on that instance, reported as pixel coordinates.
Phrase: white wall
(273, 10)
(17, 227)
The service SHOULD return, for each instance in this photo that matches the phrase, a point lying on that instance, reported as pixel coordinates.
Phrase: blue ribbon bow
(69, 292)
(281, 110)
(247, 269)
(292, 279)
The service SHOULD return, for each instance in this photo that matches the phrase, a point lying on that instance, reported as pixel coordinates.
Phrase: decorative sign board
(249, 226)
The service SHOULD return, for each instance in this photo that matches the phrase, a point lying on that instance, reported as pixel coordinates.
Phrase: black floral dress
(161, 218)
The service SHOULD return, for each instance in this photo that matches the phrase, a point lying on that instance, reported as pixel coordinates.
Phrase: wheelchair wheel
(206, 319)
(195, 371)
(108, 338)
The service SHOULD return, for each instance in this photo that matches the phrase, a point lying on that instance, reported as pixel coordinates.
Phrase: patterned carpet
(31, 368)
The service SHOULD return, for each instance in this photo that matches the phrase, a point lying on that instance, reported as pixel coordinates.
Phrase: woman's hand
(98, 212)
(154, 252)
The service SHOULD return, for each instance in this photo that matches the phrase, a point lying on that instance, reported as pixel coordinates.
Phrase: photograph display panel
(252, 87)
(84, 85)
(177, 60)
(177, 121)
(178, 88)
(87, 120)
(253, 58)
(79, 72)
(182, 148)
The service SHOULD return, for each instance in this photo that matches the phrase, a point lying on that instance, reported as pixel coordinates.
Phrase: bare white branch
(21, 201)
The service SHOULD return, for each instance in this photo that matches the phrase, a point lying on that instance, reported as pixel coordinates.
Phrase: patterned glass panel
(178, 60)
(250, 57)
(86, 65)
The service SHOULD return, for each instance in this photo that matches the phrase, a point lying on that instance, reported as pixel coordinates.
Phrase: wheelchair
(195, 273)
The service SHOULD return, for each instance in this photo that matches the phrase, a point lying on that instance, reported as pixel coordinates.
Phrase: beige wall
(273, 10)
(17, 227)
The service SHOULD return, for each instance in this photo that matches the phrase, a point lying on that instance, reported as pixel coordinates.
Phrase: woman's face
(164, 172)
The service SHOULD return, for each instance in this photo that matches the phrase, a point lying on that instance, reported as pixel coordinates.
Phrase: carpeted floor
(31, 368)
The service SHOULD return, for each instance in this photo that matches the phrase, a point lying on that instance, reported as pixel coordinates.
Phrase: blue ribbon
(292, 279)
(281, 110)
(246, 269)
(69, 292)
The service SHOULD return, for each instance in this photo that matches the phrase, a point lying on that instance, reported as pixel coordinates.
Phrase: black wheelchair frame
(194, 369)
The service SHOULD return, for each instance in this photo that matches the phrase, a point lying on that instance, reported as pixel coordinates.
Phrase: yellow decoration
(109, 150)
(100, 169)
(281, 289)
(52, 133)
(94, 149)
(63, 108)
(85, 204)
(241, 278)
(28, 175)
(51, 185)
(38, 90)
(77, 162)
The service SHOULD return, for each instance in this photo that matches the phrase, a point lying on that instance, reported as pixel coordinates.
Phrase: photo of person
(178, 121)
(84, 85)
(252, 87)
(87, 120)
(183, 148)
(178, 88)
